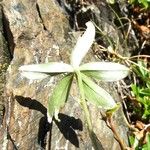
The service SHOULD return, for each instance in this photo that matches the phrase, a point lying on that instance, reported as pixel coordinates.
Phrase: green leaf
(134, 141)
(140, 69)
(147, 145)
(97, 95)
(110, 112)
(148, 141)
(53, 67)
(59, 96)
(145, 92)
(83, 45)
(135, 90)
(145, 3)
(105, 71)
(131, 139)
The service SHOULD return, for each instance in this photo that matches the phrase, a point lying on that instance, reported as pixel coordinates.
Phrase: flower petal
(83, 45)
(34, 75)
(53, 67)
(105, 71)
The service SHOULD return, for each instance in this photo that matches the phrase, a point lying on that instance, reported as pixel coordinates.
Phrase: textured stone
(41, 33)
(4, 62)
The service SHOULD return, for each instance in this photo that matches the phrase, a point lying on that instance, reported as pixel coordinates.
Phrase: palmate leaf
(59, 97)
(97, 95)
(105, 71)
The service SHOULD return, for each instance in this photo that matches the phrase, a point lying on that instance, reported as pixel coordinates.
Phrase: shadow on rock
(96, 142)
(31, 104)
(44, 126)
(67, 125)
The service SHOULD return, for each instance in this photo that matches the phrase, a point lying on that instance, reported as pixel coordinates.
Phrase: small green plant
(136, 145)
(89, 90)
(145, 3)
(147, 145)
(142, 91)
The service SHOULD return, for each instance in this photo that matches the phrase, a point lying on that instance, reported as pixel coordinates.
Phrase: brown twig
(111, 125)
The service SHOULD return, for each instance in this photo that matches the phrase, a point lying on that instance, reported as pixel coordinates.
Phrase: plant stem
(94, 139)
(83, 101)
(110, 124)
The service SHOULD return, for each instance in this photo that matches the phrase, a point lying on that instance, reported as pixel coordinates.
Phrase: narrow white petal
(34, 75)
(56, 115)
(103, 66)
(105, 71)
(49, 118)
(83, 45)
(53, 67)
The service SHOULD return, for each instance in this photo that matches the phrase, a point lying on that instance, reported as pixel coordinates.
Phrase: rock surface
(4, 63)
(41, 32)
